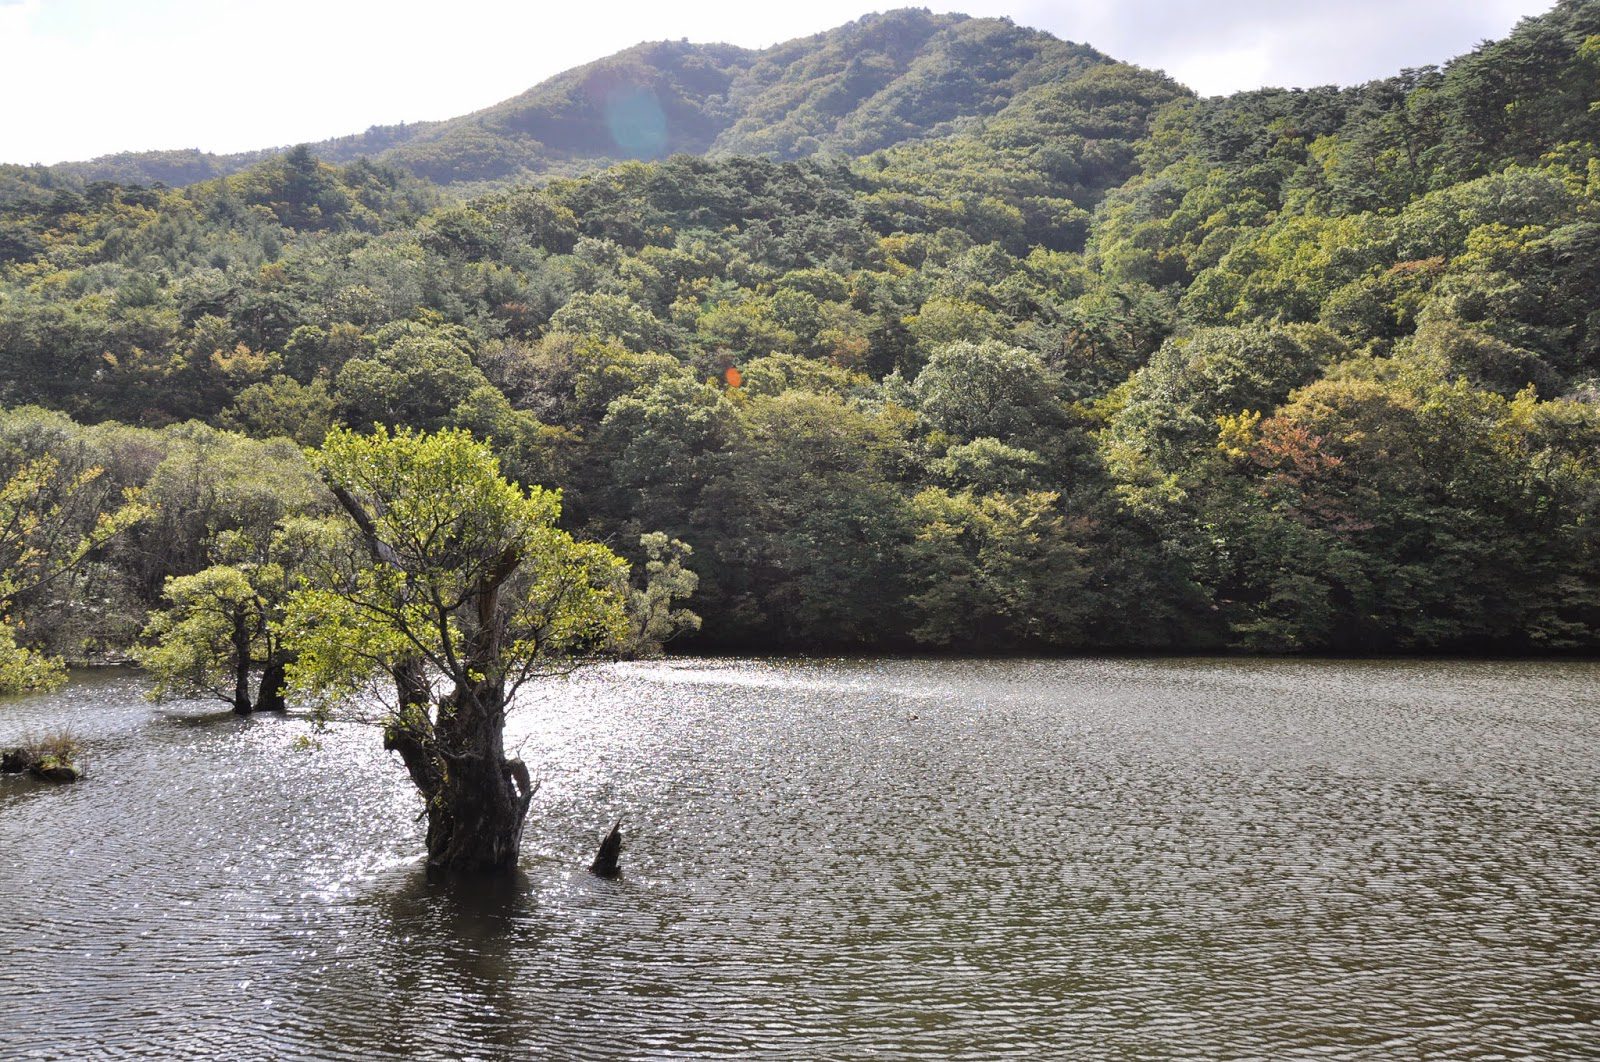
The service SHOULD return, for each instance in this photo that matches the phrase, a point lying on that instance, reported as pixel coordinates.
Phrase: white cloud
(1218, 46)
(89, 77)
(1230, 66)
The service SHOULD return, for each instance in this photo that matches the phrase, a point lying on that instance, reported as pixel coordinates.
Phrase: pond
(1201, 858)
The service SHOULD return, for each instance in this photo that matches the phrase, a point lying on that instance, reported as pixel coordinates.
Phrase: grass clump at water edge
(52, 756)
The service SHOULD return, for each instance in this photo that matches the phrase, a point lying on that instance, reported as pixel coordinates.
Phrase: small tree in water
(224, 626)
(462, 590)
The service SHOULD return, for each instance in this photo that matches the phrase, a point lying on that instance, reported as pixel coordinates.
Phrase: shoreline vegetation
(983, 343)
(1107, 368)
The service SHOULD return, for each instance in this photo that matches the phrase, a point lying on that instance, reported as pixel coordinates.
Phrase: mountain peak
(883, 79)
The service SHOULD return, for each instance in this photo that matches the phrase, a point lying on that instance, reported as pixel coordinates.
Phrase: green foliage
(207, 484)
(24, 670)
(926, 330)
(195, 643)
(56, 510)
(416, 376)
(1169, 410)
(222, 633)
(283, 408)
(466, 573)
(613, 317)
(969, 391)
(803, 518)
(652, 619)
(663, 446)
(997, 571)
(1416, 512)
(988, 465)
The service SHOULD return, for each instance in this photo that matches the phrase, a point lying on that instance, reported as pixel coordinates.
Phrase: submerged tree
(459, 589)
(222, 632)
(207, 640)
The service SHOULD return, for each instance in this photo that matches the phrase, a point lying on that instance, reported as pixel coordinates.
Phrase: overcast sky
(81, 78)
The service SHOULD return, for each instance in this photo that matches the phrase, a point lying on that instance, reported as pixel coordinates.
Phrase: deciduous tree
(462, 589)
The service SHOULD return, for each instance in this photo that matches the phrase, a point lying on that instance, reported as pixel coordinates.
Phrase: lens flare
(637, 124)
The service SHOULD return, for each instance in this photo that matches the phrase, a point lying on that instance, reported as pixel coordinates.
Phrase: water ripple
(841, 859)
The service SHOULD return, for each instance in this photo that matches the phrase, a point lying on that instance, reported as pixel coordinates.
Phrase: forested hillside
(1037, 352)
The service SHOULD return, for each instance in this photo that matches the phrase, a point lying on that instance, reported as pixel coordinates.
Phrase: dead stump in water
(608, 861)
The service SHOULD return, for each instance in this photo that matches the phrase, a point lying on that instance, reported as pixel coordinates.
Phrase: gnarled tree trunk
(476, 799)
(270, 698)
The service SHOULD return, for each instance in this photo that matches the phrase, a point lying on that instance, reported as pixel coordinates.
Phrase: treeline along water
(1293, 370)
(1088, 858)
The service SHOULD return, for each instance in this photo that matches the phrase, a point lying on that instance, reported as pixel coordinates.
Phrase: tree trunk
(270, 699)
(476, 799)
(475, 823)
(241, 664)
(476, 817)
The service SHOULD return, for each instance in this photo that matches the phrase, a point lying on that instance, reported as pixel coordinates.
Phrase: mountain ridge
(876, 82)
(1291, 370)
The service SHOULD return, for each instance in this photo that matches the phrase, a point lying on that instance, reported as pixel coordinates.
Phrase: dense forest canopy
(927, 331)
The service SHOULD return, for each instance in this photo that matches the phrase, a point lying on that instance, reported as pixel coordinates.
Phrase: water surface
(841, 859)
